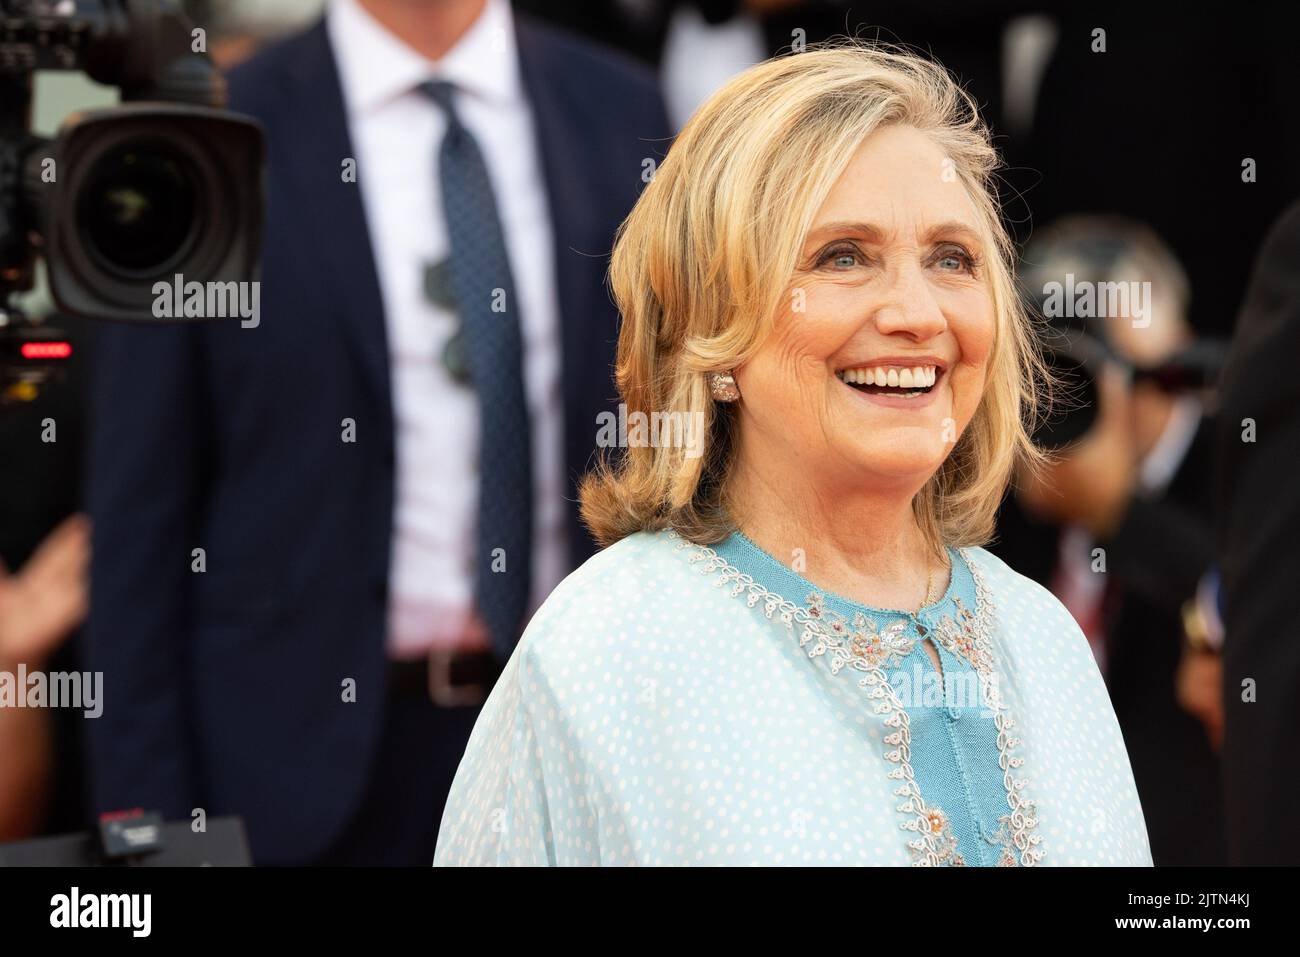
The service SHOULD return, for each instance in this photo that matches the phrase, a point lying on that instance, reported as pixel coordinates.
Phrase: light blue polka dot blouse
(677, 704)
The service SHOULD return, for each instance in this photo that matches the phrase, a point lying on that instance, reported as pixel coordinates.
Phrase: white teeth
(916, 377)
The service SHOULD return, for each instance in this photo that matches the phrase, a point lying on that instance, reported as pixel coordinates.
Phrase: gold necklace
(929, 588)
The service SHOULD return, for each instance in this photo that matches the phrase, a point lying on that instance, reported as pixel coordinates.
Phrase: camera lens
(138, 209)
(146, 192)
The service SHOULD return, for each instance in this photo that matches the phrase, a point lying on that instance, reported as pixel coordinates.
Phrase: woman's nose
(909, 306)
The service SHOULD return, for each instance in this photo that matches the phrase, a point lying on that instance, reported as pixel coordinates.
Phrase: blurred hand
(1091, 482)
(1198, 684)
(476, 637)
(41, 604)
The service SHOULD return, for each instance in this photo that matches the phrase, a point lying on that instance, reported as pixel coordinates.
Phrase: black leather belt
(450, 679)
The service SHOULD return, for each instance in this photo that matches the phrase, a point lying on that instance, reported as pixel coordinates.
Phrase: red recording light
(46, 350)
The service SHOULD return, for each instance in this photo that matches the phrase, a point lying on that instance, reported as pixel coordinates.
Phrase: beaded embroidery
(935, 825)
(860, 646)
(964, 637)
(1001, 838)
(874, 647)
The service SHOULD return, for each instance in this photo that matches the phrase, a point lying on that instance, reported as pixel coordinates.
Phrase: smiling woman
(819, 270)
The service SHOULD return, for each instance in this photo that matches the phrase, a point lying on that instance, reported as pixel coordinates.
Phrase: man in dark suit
(1259, 526)
(317, 536)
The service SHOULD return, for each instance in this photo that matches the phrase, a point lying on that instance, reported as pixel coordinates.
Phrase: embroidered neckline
(969, 636)
(764, 557)
(889, 645)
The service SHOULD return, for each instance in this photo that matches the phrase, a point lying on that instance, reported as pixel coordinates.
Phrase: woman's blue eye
(959, 259)
(840, 258)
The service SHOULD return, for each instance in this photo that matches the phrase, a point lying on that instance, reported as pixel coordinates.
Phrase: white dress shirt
(396, 132)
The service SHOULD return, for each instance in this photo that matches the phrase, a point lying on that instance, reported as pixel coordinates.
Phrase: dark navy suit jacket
(223, 689)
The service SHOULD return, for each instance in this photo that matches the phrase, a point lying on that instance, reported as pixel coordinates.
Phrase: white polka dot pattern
(647, 717)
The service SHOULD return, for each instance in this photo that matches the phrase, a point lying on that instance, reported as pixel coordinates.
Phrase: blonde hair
(703, 262)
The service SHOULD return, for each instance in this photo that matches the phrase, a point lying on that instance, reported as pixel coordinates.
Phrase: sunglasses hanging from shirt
(438, 290)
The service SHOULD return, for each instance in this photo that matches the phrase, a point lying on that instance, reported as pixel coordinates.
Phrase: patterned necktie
(493, 346)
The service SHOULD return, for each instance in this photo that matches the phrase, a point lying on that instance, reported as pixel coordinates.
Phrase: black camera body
(168, 183)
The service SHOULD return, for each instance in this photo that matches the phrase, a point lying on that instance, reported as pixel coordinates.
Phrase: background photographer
(1136, 485)
(118, 167)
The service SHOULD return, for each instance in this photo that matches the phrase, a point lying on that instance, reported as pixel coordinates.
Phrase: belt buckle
(441, 690)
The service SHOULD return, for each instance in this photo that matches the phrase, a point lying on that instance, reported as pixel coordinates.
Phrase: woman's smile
(895, 383)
